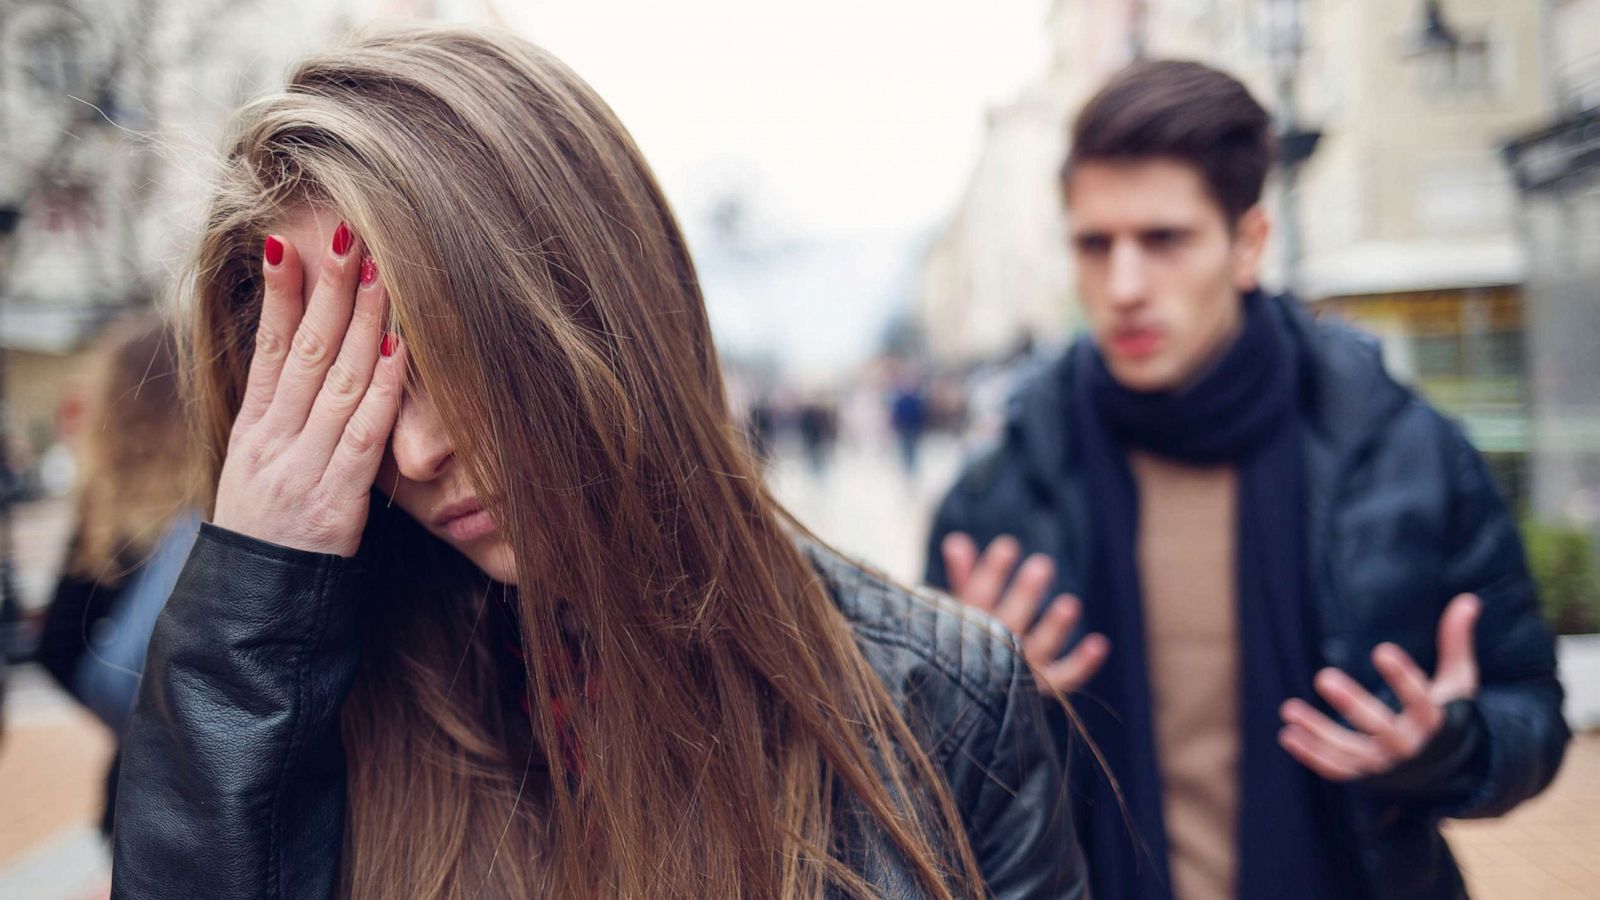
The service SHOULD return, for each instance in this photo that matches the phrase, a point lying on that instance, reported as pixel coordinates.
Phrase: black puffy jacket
(1403, 517)
(233, 774)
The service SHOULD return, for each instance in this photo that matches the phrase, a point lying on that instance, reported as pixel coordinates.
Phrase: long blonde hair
(552, 310)
(135, 471)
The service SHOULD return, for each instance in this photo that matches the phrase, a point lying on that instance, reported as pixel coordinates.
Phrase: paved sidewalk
(1549, 848)
(52, 767)
(53, 756)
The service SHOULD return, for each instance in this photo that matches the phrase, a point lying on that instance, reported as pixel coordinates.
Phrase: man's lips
(464, 520)
(1135, 343)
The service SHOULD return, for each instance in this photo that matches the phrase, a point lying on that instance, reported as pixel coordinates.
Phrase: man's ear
(1249, 247)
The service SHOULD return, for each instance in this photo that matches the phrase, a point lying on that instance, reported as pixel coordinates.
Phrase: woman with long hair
(571, 647)
(133, 525)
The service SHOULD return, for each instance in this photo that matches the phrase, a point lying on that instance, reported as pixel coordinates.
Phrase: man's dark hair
(1185, 111)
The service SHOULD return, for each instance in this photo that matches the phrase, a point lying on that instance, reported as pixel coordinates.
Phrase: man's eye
(1163, 239)
(1093, 244)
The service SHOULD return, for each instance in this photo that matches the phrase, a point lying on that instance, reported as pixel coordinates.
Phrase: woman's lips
(464, 520)
(470, 527)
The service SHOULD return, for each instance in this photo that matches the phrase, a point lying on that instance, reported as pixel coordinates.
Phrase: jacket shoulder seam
(972, 684)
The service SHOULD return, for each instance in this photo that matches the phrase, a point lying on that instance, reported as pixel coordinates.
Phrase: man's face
(1160, 271)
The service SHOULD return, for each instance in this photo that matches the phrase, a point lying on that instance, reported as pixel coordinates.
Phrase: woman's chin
(497, 561)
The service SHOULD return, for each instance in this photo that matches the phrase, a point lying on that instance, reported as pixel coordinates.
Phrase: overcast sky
(855, 114)
(853, 123)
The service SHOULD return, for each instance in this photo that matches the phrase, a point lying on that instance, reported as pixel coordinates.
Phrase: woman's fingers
(323, 394)
(347, 379)
(281, 310)
(355, 460)
(317, 340)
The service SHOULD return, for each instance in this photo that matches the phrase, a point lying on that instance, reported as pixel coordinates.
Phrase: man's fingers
(1358, 750)
(1409, 683)
(1316, 755)
(355, 460)
(346, 382)
(317, 340)
(281, 309)
(1020, 605)
(1044, 643)
(1458, 664)
(960, 555)
(991, 573)
(1071, 672)
(1360, 708)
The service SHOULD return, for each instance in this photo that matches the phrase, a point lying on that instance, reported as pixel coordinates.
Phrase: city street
(53, 755)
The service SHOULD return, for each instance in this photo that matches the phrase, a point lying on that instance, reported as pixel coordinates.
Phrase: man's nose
(1128, 281)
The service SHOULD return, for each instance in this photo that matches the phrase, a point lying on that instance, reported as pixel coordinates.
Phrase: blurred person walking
(908, 416)
(818, 425)
(1307, 631)
(133, 528)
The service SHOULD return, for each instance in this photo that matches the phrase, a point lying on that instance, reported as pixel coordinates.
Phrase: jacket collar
(1347, 400)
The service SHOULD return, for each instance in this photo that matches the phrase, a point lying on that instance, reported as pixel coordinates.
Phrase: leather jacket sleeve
(1019, 817)
(233, 781)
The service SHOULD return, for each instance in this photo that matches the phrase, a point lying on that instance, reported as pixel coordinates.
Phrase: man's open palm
(1383, 738)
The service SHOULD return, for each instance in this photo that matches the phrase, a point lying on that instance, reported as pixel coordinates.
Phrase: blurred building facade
(1403, 217)
(1557, 172)
(111, 112)
(997, 273)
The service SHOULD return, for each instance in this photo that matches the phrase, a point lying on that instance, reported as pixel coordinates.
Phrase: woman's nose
(421, 448)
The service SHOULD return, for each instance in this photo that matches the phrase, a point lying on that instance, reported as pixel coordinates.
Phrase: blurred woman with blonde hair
(134, 523)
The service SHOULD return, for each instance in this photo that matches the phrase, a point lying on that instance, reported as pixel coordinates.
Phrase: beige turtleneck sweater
(1187, 553)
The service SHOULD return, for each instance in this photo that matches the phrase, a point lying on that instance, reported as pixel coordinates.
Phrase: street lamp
(1285, 32)
(10, 604)
(1436, 35)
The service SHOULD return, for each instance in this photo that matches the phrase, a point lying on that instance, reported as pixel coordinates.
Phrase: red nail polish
(274, 251)
(342, 239)
(369, 270)
(387, 349)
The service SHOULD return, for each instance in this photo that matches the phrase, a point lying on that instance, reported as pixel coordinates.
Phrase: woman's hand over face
(323, 393)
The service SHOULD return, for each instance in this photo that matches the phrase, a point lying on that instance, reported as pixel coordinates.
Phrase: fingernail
(369, 270)
(387, 348)
(342, 240)
(274, 251)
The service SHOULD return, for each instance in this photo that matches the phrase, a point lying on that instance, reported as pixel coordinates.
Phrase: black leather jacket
(233, 774)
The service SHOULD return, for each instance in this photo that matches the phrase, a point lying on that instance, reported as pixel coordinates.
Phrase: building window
(1466, 70)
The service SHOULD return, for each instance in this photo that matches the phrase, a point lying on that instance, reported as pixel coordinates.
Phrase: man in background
(1306, 630)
